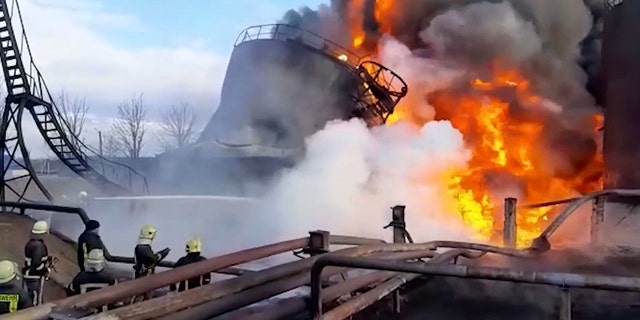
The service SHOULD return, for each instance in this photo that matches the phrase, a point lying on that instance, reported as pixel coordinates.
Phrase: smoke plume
(347, 185)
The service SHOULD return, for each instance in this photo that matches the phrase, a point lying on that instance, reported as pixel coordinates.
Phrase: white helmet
(40, 227)
(7, 271)
(83, 194)
(95, 260)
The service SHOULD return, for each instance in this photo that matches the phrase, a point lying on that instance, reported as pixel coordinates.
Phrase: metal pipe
(231, 302)
(131, 288)
(565, 304)
(564, 280)
(597, 217)
(154, 308)
(509, 229)
(293, 306)
(572, 207)
(171, 303)
(353, 241)
(190, 298)
(364, 300)
(399, 236)
(84, 217)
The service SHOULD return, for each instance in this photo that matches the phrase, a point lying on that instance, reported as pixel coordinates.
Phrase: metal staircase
(27, 90)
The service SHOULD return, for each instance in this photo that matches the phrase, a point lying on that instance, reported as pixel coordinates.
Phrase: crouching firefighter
(12, 296)
(193, 249)
(93, 277)
(145, 260)
(38, 263)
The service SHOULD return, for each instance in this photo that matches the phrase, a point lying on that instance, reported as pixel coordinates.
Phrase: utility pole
(100, 142)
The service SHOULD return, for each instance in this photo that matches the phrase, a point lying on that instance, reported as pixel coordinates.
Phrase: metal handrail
(285, 32)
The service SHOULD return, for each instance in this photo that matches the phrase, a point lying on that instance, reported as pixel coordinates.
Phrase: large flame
(506, 151)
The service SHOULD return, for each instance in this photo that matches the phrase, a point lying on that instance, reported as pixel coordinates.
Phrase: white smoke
(351, 176)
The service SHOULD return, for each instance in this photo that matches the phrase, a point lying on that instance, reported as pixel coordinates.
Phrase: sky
(108, 50)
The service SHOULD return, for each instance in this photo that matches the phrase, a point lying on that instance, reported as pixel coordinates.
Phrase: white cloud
(70, 45)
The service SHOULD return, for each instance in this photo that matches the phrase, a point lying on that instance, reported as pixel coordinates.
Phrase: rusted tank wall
(278, 92)
(621, 70)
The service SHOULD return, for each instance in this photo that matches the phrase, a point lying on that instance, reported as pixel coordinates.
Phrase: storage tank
(284, 83)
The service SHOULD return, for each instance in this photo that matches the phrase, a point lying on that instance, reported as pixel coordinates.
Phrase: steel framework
(27, 91)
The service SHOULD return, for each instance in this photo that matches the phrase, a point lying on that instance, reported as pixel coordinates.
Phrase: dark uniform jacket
(13, 298)
(146, 260)
(36, 258)
(90, 281)
(193, 282)
(87, 241)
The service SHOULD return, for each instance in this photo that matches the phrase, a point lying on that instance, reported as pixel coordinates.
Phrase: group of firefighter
(16, 294)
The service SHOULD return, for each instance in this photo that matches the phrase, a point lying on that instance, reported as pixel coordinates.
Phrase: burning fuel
(510, 76)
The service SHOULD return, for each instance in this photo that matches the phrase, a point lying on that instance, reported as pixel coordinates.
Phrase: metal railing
(23, 206)
(284, 32)
(39, 89)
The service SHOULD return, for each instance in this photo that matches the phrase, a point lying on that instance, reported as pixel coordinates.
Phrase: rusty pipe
(570, 209)
(190, 298)
(229, 303)
(354, 241)
(487, 273)
(127, 289)
(292, 306)
(364, 300)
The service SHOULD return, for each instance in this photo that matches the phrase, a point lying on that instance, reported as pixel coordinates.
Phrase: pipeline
(365, 300)
(294, 306)
(154, 308)
(197, 296)
(290, 307)
(541, 243)
(233, 302)
(565, 280)
(131, 288)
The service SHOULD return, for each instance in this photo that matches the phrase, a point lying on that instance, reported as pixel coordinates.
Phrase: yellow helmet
(7, 271)
(40, 227)
(194, 245)
(95, 260)
(147, 232)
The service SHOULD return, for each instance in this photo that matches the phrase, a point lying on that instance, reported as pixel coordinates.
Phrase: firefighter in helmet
(93, 277)
(193, 249)
(12, 296)
(88, 240)
(37, 261)
(145, 259)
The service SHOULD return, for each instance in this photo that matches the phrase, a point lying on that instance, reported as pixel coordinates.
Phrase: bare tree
(111, 147)
(74, 110)
(129, 127)
(178, 126)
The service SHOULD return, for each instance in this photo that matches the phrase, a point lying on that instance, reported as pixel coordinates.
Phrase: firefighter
(12, 296)
(93, 277)
(193, 249)
(37, 261)
(88, 240)
(145, 259)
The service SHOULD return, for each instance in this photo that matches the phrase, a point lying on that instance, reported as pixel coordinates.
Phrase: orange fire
(506, 152)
